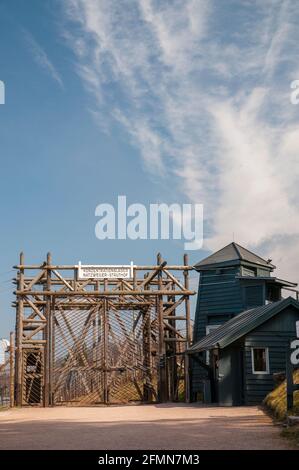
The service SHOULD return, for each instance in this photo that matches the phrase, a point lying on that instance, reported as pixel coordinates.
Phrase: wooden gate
(83, 342)
(105, 354)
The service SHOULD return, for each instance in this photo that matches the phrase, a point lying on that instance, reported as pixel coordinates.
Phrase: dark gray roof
(241, 324)
(233, 252)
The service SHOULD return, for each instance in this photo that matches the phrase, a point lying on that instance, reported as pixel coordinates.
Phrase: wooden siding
(198, 376)
(254, 296)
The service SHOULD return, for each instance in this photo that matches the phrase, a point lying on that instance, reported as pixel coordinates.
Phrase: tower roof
(233, 253)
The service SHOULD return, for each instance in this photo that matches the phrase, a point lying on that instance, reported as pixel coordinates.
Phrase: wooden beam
(11, 370)
(105, 293)
(19, 335)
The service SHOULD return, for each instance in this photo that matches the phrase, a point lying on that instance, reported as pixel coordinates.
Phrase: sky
(180, 101)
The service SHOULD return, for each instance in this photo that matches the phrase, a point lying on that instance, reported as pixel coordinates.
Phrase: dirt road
(139, 427)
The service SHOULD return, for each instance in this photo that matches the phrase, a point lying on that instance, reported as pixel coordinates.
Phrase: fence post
(11, 371)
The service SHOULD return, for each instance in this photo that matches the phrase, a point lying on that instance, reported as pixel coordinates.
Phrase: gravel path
(139, 427)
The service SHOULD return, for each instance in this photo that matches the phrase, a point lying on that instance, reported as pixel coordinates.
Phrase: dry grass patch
(276, 401)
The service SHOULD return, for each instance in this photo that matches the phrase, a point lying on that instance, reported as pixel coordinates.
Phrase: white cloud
(41, 58)
(203, 89)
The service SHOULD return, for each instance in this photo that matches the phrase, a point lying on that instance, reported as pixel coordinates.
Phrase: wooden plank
(153, 293)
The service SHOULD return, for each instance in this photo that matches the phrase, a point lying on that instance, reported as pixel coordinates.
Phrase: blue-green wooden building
(242, 327)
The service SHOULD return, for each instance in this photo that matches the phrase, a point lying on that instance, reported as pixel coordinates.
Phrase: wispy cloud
(202, 88)
(41, 58)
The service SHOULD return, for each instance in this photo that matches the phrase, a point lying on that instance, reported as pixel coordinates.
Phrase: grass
(276, 402)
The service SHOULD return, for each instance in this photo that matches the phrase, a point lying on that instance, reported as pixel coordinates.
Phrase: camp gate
(91, 341)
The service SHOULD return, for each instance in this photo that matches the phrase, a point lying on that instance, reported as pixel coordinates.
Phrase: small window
(248, 272)
(260, 360)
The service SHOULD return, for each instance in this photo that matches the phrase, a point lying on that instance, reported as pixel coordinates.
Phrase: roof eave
(222, 264)
(270, 280)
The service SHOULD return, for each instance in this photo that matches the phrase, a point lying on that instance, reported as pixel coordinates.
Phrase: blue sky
(173, 101)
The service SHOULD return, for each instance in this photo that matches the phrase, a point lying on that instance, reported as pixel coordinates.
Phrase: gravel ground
(170, 426)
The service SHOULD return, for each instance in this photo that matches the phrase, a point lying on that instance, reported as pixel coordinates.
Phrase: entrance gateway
(97, 334)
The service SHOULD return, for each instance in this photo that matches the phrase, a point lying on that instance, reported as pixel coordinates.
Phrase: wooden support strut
(19, 335)
(188, 332)
(48, 338)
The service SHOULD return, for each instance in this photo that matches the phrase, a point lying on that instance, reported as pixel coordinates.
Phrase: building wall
(221, 296)
(276, 335)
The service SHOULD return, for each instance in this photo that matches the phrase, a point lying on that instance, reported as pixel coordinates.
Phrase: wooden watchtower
(232, 280)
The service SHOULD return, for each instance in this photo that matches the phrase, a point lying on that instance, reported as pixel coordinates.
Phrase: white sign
(297, 328)
(110, 271)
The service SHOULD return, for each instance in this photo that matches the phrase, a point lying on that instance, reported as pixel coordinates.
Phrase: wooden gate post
(163, 388)
(48, 337)
(105, 345)
(19, 333)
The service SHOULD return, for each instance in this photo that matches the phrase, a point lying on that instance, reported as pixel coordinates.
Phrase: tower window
(248, 272)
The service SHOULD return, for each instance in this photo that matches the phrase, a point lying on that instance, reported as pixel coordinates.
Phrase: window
(248, 272)
(260, 360)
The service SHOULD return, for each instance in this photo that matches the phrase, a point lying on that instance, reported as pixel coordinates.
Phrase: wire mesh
(105, 355)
